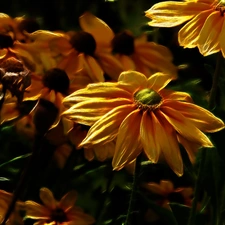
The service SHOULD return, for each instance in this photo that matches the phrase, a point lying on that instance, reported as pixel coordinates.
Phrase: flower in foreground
(205, 29)
(57, 212)
(144, 117)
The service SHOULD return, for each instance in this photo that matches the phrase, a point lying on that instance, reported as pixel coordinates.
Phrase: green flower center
(147, 99)
(5, 41)
(58, 215)
(57, 80)
(83, 42)
(123, 43)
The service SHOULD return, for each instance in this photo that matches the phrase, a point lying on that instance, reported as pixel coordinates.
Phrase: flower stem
(192, 216)
(215, 83)
(133, 190)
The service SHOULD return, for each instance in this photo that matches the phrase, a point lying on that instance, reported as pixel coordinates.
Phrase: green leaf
(181, 213)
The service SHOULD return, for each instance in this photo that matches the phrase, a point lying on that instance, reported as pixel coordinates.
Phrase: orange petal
(198, 116)
(147, 133)
(158, 81)
(37, 211)
(166, 136)
(106, 129)
(47, 198)
(88, 112)
(128, 144)
(175, 95)
(171, 13)
(208, 42)
(183, 126)
(101, 32)
(189, 34)
(68, 200)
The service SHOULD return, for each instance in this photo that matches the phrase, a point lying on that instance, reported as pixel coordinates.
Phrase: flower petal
(175, 95)
(88, 112)
(189, 34)
(158, 81)
(208, 42)
(221, 39)
(37, 211)
(183, 126)
(198, 116)
(171, 13)
(148, 132)
(106, 129)
(166, 136)
(101, 32)
(97, 90)
(47, 198)
(134, 79)
(68, 200)
(128, 144)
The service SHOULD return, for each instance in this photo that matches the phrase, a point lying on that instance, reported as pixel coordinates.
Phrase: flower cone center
(57, 80)
(5, 41)
(58, 215)
(83, 42)
(123, 43)
(147, 99)
(12, 65)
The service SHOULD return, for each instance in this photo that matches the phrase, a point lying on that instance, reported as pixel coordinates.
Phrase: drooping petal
(101, 32)
(126, 61)
(198, 116)
(148, 134)
(171, 13)
(128, 144)
(166, 136)
(92, 67)
(110, 65)
(88, 112)
(184, 127)
(208, 42)
(68, 200)
(47, 198)
(37, 211)
(189, 34)
(158, 81)
(106, 129)
(9, 112)
(190, 147)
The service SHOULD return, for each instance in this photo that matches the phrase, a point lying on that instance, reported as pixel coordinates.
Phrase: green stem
(215, 83)
(192, 216)
(133, 190)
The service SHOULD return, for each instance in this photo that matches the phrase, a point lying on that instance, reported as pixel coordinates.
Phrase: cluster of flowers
(109, 92)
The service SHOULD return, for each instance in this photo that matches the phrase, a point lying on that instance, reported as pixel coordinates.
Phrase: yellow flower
(143, 116)
(57, 212)
(94, 47)
(15, 218)
(141, 55)
(205, 29)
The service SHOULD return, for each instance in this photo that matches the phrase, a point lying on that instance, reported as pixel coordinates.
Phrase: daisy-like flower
(165, 189)
(141, 55)
(57, 212)
(205, 29)
(15, 218)
(93, 45)
(144, 117)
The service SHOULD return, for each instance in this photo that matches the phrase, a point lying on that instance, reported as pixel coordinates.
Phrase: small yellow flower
(57, 212)
(205, 29)
(143, 116)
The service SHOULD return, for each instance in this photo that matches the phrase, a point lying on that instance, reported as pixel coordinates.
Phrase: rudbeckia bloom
(205, 29)
(144, 117)
(141, 55)
(57, 212)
